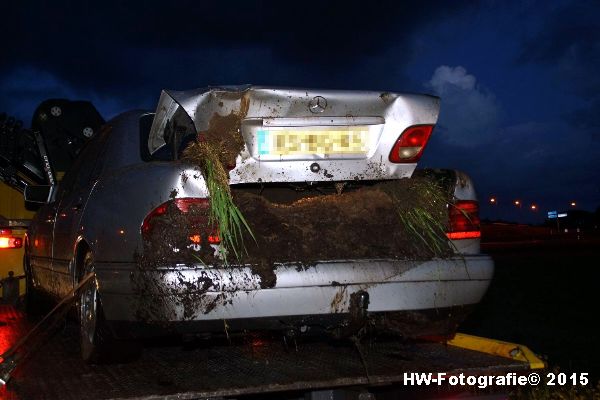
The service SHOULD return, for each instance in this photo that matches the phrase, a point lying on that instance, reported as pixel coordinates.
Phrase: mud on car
(333, 238)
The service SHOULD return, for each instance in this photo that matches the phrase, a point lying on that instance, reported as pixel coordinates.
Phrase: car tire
(93, 337)
(98, 345)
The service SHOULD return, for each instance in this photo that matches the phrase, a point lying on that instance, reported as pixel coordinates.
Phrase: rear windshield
(176, 136)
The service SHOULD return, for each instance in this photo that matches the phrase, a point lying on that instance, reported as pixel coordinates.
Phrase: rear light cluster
(7, 241)
(191, 215)
(410, 145)
(464, 220)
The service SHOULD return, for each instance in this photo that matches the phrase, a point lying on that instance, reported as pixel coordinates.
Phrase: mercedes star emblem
(317, 104)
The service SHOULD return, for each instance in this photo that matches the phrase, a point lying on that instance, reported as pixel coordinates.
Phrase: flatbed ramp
(251, 366)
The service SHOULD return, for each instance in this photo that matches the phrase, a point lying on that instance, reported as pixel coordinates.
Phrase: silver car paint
(127, 189)
(236, 293)
(389, 113)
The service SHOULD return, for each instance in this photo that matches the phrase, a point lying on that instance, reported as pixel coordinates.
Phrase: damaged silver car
(326, 185)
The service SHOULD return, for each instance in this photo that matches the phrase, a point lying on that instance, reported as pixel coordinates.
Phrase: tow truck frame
(252, 365)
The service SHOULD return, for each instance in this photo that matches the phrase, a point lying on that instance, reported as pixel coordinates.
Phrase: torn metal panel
(372, 121)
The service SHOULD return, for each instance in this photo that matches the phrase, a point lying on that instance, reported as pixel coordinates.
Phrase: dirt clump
(264, 269)
(365, 223)
(223, 136)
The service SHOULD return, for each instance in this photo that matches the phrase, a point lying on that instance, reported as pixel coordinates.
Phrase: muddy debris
(360, 224)
(266, 271)
(223, 134)
(363, 223)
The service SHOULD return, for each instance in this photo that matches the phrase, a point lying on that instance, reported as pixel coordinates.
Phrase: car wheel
(97, 342)
(93, 335)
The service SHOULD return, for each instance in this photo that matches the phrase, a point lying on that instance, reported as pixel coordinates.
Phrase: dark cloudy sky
(519, 81)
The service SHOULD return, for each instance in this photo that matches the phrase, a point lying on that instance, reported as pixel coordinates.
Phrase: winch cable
(359, 348)
(11, 357)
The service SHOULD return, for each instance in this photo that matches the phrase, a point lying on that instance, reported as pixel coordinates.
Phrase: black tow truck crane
(59, 129)
(313, 370)
(30, 157)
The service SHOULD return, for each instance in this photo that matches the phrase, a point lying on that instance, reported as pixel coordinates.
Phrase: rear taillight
(464, 220)
(188, 216)
(148, 223)
(411, 143)
(9, 242)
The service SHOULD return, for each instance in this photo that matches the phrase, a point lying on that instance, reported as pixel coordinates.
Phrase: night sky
(519, 81)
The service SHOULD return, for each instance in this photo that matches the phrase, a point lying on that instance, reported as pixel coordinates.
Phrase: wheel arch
(82, 247)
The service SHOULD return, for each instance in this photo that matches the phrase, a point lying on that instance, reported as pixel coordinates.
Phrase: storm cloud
(125, 53)
(469, 113)
(120, 45)
(518, 81)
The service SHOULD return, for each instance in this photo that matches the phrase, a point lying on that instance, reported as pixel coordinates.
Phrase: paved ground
(545, 294)
(253, 365)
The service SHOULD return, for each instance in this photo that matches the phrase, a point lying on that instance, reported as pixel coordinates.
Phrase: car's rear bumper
(199, 293)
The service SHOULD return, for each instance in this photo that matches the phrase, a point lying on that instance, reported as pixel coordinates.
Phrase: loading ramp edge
(171, 372)
(499, 348)
(524, 360)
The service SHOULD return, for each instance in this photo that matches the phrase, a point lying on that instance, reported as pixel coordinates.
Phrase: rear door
(40, 246)
(73, 195)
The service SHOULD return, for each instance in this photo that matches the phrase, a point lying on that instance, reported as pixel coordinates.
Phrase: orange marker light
(196, 239)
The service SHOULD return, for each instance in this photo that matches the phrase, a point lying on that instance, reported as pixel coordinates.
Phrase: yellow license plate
(313, 141)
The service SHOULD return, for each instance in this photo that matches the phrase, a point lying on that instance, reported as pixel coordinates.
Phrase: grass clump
(423, 226)
(422, 209)
(223, 212)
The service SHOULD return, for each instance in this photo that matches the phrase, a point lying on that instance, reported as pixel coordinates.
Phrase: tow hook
(359, 304)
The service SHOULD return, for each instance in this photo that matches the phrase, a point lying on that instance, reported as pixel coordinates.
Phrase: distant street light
(493, 200)
(573, 204)
(517, 203)
(533, 207)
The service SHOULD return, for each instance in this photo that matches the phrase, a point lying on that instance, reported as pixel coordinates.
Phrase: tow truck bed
(55, 370)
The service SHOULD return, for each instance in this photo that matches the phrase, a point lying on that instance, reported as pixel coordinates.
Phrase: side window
(87, 165)
(68, 181)
(99, 152)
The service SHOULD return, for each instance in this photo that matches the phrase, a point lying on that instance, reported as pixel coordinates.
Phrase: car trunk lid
(302, 135)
